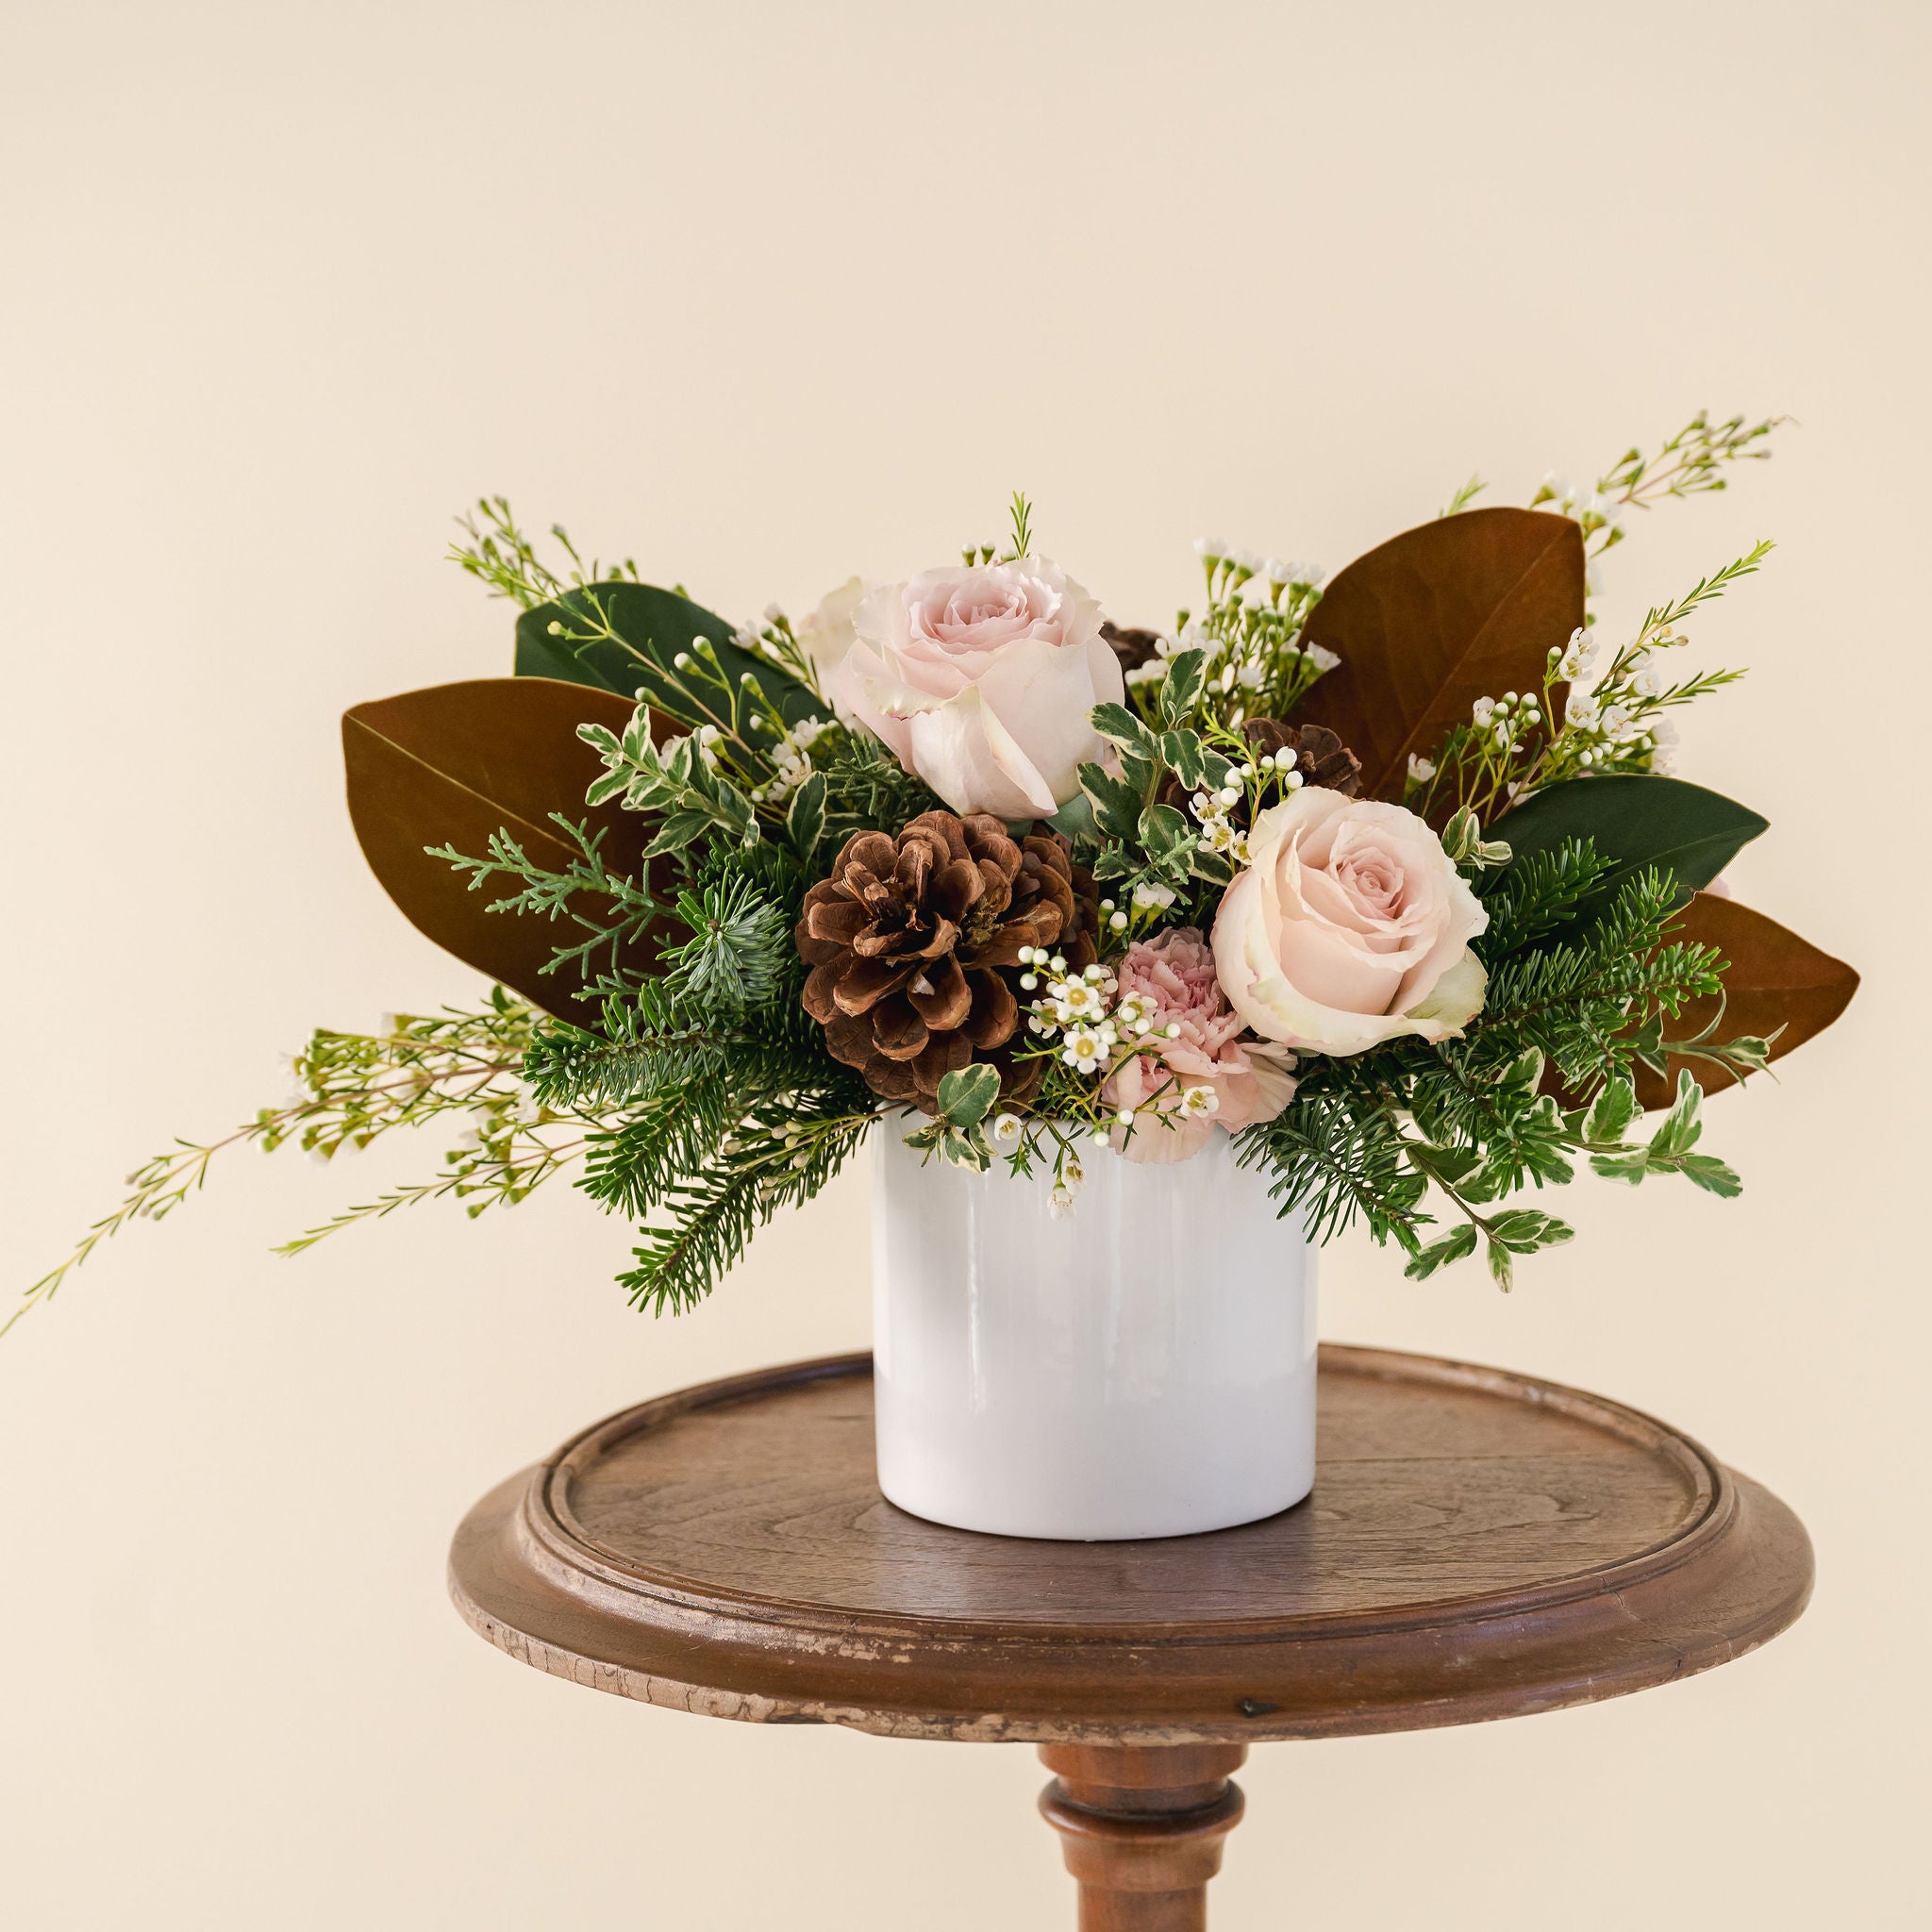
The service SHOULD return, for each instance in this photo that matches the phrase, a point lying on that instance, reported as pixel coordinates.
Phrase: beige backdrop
(766, 295)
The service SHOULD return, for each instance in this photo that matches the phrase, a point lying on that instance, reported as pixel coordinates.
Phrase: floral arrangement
(1388, 881)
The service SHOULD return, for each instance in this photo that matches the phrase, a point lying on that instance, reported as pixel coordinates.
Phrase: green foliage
(709, 1204)
(1582, 997)
(740, 953)
(501, 556)
(1338, 1154)
(1635, 822)
(1022, 529)
(678, 784)
(866, 789)
(614, 911)
(1254, 662)
(1144, 843)
(1669, 1150)
(350, 1088)
(688, 662)
(956, 1133)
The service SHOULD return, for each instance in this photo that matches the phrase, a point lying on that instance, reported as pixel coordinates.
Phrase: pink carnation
(1249, 1078)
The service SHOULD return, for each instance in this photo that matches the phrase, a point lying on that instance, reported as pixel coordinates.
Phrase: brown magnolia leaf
(1464, 608)
(1774, 979)
(450, 765)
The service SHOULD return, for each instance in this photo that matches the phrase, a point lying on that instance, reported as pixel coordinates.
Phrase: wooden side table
(1479, 1544)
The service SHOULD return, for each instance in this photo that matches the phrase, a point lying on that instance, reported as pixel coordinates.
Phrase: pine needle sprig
(1339, 1157)
(713, 1210)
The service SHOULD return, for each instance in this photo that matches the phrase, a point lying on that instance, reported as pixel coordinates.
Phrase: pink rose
(825, 635)
(1350, 927)
(1174, 976)
(981, 680)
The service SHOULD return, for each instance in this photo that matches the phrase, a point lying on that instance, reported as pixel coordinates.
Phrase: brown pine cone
(1321, 758)
(910, 939)
(1132, 647)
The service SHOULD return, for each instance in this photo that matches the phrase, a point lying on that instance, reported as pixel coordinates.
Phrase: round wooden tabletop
(1478, 1545)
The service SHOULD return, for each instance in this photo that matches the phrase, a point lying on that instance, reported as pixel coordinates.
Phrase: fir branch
(714, 1210)
(1339, 1156)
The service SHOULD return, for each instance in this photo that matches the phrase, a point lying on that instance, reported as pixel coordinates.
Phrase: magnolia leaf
(622, 638)
(456, 763)
(1463, 607)
(1779, 990)
(1637, 822)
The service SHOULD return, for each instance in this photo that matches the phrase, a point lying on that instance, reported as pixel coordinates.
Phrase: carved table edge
(1669, 1664)
(548, 1522)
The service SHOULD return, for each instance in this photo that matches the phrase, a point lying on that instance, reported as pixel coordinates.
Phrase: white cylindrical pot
(1143, 1367)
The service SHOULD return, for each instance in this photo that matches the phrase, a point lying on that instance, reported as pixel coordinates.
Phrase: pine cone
(1132, 647)
(1321, 758)
(910, 940)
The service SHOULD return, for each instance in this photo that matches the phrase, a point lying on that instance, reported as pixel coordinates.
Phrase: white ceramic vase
(1143, 1367)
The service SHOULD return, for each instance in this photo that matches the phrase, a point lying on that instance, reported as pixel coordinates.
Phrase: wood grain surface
(1478, 1545)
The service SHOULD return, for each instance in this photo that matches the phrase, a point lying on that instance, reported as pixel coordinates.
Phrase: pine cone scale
(913, 941)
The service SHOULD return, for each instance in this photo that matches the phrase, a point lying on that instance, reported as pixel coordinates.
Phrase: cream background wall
(766, 295)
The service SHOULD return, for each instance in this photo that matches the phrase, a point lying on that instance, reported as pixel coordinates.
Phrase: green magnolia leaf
(1636, 823)
(622, 637)
(967, 1095)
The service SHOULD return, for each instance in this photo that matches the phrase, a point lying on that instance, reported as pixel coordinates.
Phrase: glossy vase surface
(1143, 1367)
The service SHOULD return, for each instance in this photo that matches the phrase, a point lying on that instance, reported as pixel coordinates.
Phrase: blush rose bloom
(981, 680)
(1350, 927)
(1250, 1079)
(825, 635)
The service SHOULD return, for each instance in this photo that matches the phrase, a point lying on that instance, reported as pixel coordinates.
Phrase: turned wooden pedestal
(1479, 1544)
